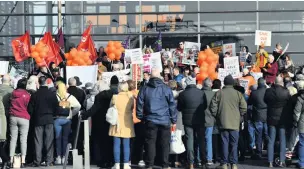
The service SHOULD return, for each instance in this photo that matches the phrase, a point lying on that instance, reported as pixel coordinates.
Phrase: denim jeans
(251, 131)
(208, 138)
(260, 128)
(62, 130)
(272, 137)
(229, 139)
(301, 150)
(126, 149)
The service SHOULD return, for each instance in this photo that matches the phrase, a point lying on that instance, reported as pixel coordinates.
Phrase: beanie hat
(228, 80)
(114, 80)
(190, 81)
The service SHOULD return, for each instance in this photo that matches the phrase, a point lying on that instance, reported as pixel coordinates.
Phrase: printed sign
(256, 75)
(191, 50)
(4, 67)
(85, 73)
(135, 55)
(263, 38)
(231, 65)
(244, 83)
(230, 47)
(222, 73)
(139, 72)
(152, 60)
(122, 75)
(243, 57)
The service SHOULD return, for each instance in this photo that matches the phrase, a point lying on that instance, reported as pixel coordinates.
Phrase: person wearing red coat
(271, 70)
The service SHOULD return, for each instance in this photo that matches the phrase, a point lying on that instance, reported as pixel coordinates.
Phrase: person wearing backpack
(68, 106)
(124, 129)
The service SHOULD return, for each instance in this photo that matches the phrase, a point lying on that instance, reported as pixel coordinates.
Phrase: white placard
(263, 38)
(121, 75)
(135, 55)
(4, 67)
(152, 60)
(85, 73)
(231, 65)
(256, 75)
(229, 47)
(243, 57)
(222, 73)
(191, 50)
(244, 83)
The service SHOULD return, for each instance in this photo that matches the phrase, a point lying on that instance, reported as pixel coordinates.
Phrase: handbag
(112, 114)
(176, 144)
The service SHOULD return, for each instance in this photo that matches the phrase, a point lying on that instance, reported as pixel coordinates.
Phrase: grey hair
(279, 81)
(300, 85)
(207, 82)
(123, 87)
(72, 81)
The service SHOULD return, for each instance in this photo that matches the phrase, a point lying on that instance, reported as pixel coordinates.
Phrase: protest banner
(139, 73)
(231, 65)
(217, 47)
(244, 83)
(85, 73)
(263, 38)
(4, 67)
(222, 73)
(122, 75)
(191, 50)
(230, 47)
(256, 75)
(135, 55)
(152, 60)
(243, 57)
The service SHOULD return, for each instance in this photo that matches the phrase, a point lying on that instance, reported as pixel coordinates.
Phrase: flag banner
(21, 47)
(87, 44)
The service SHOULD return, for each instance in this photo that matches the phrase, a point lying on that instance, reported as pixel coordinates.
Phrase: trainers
(234, 166)
(127, 166)
(116, 166)
(141, 163)
(58, 160)
(222, 166)
(282, 165)
(62, 160)
(270, 165)
(209, 163)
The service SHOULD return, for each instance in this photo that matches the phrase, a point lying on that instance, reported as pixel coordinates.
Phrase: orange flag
(21, 47)
(54, 49)
(87, 43)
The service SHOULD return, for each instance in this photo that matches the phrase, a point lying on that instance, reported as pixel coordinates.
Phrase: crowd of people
(221, 121)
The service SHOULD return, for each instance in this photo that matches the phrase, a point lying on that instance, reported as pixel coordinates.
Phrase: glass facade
(218, 21)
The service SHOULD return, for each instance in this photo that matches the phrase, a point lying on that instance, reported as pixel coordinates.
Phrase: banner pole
(136, 76)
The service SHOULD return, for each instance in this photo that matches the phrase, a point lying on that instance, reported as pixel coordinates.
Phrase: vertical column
(59, 14)
(86, 145)
(198, 22)
(81, 17)
(140, 25)
(49, 19)
(257, 19)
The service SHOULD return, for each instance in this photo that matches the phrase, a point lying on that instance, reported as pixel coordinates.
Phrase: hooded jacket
(209, 118)
(190, 103)
(271, 73)
(259, 107)
(19, 102)
(155, 103)
(277, 98)
(298, 112)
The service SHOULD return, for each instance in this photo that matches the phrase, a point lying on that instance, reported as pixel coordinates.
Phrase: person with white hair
(32, 84)
(156, 106)
(6, 91)
(270, 70)
(277, 98)
(251, 81)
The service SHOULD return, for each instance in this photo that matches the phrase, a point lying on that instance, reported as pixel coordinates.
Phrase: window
(164, 8)
(104, 9)
(122, 9)
(90, 9)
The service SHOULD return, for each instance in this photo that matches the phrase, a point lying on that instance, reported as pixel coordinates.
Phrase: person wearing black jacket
(191, 104)
(42, 107)
(102, 142)
(277, 98)
(259, 115)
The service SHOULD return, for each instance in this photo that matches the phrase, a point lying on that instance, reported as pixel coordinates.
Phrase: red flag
(87, 43)
(21, 47)
(54, 49)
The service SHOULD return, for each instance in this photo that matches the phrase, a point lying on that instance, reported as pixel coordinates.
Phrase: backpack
(64, 106)
(112, 115)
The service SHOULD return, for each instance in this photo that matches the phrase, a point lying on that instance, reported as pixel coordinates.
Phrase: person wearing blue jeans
(126, 149)
(260, 129)
(62, 131)
(301, 150)
(229, 139)
(208, 138)
(272, 130)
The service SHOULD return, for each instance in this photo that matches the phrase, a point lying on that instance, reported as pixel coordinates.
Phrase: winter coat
(100, 127)
(190, 103)
(179, 78)
(19, 103)
(209, 119)
(259, 107)
(78, 93)
(179, 122)
(6, 92)
(3, 124)
(135, 119)
(228, 105)
(43, 106)
(298, 113)
(276, 98)
(271, 73)
(155, 103)
(124, 104)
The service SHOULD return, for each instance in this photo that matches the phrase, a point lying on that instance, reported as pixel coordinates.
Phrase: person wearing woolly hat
(228, 105)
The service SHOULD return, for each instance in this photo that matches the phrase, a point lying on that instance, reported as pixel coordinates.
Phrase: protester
(216, 144)
(261, 57)
(19, 120)
(249, 57)
(276, 99)
(32, 84)
(251, 81)
(159, 115)
(5, 92)
(3, 129)
(177, 76)
(190, 103)
(42, 107)
(68, 106)
(146, 79)
(271, 70)
(228, 105)
(102, 142)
